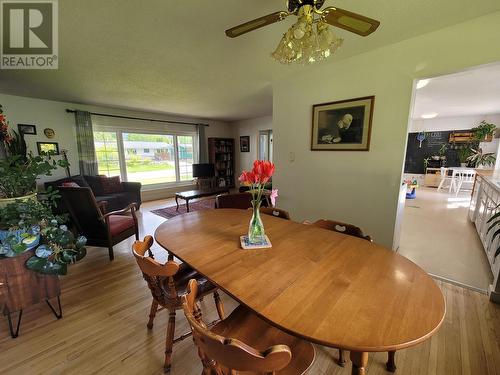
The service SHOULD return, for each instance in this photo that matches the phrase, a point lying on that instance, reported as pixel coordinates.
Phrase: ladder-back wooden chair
(354, 231)
(168, 283)
(340, 227)
(245, 344)
(276, 212)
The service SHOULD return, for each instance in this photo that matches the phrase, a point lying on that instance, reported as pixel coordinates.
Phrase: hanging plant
(484, 131)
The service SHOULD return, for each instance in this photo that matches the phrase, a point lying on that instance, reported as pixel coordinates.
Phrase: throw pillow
(70, 184)
(79, 180)
(111, 185)
(95, 184)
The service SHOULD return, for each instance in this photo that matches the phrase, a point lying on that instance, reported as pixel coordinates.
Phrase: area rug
(170, 212)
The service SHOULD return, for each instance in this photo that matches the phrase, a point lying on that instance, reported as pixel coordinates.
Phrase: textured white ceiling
(472, 92)
(172, 56)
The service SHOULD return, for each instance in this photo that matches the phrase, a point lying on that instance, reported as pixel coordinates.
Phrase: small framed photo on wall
(26, 129)
(343, 126)
(245, 143)
(45, 148)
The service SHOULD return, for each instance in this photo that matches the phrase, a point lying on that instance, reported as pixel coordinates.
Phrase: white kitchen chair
(466, 176)
(444, 179)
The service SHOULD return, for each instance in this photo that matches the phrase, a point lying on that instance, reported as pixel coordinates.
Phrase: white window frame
(121, 152)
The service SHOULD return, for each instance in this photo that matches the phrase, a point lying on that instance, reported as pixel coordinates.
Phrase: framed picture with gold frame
(45, 148)
(344, 125)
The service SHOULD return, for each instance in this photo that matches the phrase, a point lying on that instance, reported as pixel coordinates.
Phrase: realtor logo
(29, 37)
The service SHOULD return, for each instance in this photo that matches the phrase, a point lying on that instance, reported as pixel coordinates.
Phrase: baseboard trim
(458, 283)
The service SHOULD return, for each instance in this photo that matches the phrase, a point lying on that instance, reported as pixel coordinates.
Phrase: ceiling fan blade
(256, 24)
(353, 22)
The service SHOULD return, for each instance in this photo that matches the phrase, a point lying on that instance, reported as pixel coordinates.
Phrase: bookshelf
(221, 154)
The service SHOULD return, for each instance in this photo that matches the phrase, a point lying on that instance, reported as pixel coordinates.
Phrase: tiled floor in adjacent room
(438, 235)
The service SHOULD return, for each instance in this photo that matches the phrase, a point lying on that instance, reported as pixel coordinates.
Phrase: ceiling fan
(302, 36)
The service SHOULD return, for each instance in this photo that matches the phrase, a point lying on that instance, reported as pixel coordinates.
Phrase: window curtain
(85, 141)
(202, 142)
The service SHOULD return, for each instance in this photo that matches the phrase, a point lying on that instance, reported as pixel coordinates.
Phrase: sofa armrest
(134, 187)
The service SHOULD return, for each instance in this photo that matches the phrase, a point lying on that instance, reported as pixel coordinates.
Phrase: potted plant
(484, 131)
(18, 175)
(442, 152)
(19, 170)
(426, 162)
(463, 155)
(480, 160)
(35, 248)
(35, 245)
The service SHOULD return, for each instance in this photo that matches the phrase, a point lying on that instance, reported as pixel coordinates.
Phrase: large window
(185, 147)
(148, 158)
(106, 150)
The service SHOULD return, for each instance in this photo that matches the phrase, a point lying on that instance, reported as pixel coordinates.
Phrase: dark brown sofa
(117, 201)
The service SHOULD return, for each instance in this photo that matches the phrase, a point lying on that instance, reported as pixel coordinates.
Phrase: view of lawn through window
(148, 158)
(106, 150)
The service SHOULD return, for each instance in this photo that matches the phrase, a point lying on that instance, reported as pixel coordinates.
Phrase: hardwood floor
(106, 306)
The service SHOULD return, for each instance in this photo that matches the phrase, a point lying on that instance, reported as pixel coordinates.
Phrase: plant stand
(20, 287)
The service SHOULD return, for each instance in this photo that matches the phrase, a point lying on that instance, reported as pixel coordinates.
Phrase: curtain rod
(140, 118)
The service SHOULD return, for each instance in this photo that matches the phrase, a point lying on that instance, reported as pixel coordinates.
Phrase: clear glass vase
(256, 233)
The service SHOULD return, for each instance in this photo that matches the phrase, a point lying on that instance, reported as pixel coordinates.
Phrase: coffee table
(193, 194)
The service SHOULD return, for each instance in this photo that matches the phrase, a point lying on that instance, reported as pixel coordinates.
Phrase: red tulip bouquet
(256, 179)
(4, 128)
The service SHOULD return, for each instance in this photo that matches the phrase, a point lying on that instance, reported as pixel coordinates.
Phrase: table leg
(177, 202)
(391, 362)
(187, 205)
(359, 362)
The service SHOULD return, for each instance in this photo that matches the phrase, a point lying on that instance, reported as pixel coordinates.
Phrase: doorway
(266, 145)
(440, 167)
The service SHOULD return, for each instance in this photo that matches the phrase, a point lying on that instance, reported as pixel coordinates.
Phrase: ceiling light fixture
(310, 39)
(307, 41)
(422, 83)
(430, 115)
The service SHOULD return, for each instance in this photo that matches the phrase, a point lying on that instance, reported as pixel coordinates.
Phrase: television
(203, 170)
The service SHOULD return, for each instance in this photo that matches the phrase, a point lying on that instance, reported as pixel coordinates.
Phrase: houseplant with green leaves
(479, 159)
(30, 226)
(26, 221)
(494, 222)
(484, 131)
(463, 154)
(19, 170)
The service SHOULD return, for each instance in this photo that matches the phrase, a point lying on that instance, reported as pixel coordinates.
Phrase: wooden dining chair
(354, 231)
(230, 347)
(340, 227)
(276, 212)
(168, 283)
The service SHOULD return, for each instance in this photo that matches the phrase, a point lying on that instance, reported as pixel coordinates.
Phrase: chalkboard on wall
(415, 155)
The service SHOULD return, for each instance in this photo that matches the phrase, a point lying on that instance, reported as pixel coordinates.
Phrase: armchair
(101, 229)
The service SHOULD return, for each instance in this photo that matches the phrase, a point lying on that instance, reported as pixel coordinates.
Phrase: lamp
(307, 41)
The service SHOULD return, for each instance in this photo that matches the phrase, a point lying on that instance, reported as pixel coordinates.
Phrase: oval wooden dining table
(328, 288)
